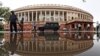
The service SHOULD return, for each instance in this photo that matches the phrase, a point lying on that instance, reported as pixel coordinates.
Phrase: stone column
(45, 45)
(24, 17)
(66, 16)
(36, 46)
(41, 19)
(63, 15)
(54, 16)
(28, 43)
(50, 46)
(32, 46)
(80, 16)
(58, 16)
(50, 16)
(28, 16)
(63, 45)
(45, 16)
(32, 16)
(36, 16)
(21, 15)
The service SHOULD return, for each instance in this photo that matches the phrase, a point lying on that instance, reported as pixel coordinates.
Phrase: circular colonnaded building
(68, 17)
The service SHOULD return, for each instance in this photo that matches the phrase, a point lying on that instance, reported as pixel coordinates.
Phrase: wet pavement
(50, 44)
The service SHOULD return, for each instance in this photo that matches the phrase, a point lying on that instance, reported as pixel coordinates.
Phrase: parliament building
(67, 17)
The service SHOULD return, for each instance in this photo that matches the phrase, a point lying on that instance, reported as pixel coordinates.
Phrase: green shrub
(1, 27)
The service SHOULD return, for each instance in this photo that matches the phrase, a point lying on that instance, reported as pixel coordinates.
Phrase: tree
(4, 12)
(84, 0)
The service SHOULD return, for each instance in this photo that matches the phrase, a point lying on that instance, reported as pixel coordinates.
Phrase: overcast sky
(92, 6)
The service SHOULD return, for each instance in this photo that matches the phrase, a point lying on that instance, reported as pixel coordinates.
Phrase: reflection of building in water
(78, 35)
(53, 44)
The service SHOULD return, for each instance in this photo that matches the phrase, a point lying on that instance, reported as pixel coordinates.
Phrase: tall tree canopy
(84, 0)
(4, 12)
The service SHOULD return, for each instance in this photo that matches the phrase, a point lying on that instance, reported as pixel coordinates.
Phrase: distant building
(68, 17)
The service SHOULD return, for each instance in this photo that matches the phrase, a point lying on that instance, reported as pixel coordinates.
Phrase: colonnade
(51, 15)
(31, 16)
(56, 46)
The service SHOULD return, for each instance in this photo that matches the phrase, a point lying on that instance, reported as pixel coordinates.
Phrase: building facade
(68, 17)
